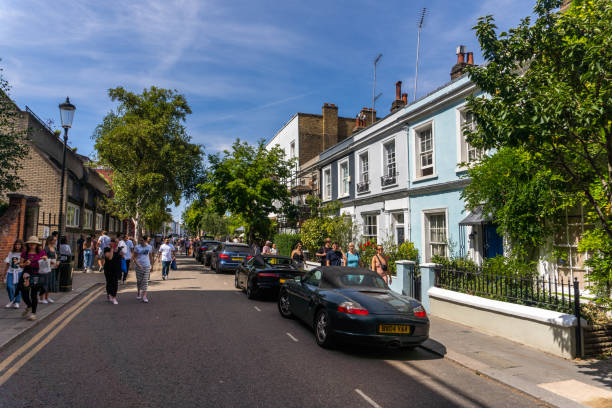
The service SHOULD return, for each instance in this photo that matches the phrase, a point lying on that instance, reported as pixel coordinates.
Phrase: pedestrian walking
(88, 254)
(352, 258)
(13, 274)
(80, 252)
(380, 264)
(48, 277)
(29, 284)
(298, 255)
(103, 242)
(128, 249)
(143, 259)
(187, 246)
(167, 252)
(335, 257)
(322, 252)
(112, 270)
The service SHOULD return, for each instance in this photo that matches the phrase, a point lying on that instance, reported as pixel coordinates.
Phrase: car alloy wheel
(236, 281)
(283, 305)
(322, 329)
(251, 294)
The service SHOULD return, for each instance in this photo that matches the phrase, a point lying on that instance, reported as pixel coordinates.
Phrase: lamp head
(67, 113)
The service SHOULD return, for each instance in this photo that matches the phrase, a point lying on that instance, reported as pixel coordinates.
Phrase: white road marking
(256, 308)
(367, 399)
(292, 337)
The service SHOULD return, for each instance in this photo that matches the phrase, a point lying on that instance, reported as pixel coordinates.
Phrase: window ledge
(363, 192)
(461, 169)
(425, 178)
(344, 196)
(389, 186)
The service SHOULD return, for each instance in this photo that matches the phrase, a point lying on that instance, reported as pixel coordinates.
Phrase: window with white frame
(435, 234)
(88, 219)
(370, 227)
(99, 221)
(389, 159)
(425, 150)
(468, 123)
(292, 150)
(327, 184)
(343, 179)
(73, 214)
(364, 168)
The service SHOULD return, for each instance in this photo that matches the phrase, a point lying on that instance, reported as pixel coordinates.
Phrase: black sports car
(265, 273)
(356, 305)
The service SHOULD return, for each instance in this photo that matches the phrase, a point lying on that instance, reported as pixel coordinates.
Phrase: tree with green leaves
(199, 216)
(144, 142)
(249, 181)
(547, 116)
(13, 147)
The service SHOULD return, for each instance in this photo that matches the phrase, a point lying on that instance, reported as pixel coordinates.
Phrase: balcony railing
(389, 179)
(363, 187)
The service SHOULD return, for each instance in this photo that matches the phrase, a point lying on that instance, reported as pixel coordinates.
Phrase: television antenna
(374, 97)
(421, 21)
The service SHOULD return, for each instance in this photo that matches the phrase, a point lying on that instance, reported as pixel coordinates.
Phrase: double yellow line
(47, 334)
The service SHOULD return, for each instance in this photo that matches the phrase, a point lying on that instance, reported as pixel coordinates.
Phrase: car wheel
(284, 306)
(322, 327)
(250, 291)
(236, 284)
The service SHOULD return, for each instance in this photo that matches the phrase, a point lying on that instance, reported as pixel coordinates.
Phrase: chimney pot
(398, 90)
(460, 58)
(405, 98)
(470, 59)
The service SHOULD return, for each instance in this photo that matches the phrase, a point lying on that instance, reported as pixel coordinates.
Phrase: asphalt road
(201, 343)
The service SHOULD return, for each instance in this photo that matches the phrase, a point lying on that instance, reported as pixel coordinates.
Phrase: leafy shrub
(285, 243)
(403, 252)
(315, 230)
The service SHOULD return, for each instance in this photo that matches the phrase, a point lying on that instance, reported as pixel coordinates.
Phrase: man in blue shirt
(335, 256)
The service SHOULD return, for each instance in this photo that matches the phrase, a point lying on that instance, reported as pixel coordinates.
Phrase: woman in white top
(143, 259)
(13, 273)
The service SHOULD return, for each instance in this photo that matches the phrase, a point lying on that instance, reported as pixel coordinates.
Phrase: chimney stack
(330, 125)
(399, 101)
(459, 68)
(405, 98)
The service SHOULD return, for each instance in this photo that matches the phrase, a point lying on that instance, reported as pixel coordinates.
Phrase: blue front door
(493, 243)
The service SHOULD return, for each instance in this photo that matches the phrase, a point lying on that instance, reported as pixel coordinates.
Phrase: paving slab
(563, 383)
(12, 323)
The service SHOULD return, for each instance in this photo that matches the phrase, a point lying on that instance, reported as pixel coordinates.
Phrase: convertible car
(265, 273)
(354, 305)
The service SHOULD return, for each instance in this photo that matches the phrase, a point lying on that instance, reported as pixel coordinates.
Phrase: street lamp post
(66, 114)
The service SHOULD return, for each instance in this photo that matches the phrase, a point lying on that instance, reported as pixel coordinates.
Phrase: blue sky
(245, 66)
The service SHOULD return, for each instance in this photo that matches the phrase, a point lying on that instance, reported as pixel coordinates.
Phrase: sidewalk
(12, 324)
(559, 382)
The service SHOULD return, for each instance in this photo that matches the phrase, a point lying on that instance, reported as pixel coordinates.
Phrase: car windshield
(278, 261)
(360, 280)
(237, 248)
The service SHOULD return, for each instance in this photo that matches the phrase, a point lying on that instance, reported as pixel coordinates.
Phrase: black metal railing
(538, 291)
(363, 187)
(389, 179)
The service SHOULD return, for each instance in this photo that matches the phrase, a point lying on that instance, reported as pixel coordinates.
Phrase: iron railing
(389, 179)
(537, 291)
(363, 187)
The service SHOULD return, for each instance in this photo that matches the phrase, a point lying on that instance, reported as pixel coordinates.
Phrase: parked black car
(265, 273)
(202, 248)
(356, 305)
(228, 256)
(209, 253)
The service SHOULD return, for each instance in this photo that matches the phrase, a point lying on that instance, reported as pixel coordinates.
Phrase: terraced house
(401, 178)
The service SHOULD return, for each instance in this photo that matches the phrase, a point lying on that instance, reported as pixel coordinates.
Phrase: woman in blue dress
(352, 258)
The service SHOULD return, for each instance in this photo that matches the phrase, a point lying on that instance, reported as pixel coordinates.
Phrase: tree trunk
(136, 227)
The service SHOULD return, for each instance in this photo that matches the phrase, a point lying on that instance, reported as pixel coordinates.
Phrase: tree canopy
(249, 181)
(144, 142)
(12, 141)
(546, 116)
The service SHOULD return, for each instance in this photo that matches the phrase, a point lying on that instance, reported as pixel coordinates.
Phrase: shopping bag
(44, 266)
(173, 265)
(123, 265)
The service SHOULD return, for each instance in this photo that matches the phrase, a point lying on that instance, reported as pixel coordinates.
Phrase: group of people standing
(331, 254)
(32, 272)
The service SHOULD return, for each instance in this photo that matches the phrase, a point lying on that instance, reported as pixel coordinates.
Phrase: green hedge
(285, 243)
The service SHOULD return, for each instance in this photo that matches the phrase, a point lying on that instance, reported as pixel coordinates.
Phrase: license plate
(236, 259)
(394, 328)
(282, 280)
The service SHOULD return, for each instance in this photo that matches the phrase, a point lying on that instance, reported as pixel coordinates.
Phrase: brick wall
(11, 225)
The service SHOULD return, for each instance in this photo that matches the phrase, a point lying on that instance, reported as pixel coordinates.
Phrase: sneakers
(51, 300)
(32, 317)
(100, 269)
(138, 297)
(145, 300)
(9, 305)
(115, 301)
(15, 305)
(26, 312)
(163, 277)
(45, 301)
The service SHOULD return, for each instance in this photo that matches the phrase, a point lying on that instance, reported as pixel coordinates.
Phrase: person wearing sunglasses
(380, 263)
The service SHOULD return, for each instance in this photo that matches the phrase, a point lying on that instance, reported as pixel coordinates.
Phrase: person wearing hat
(29, 283)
